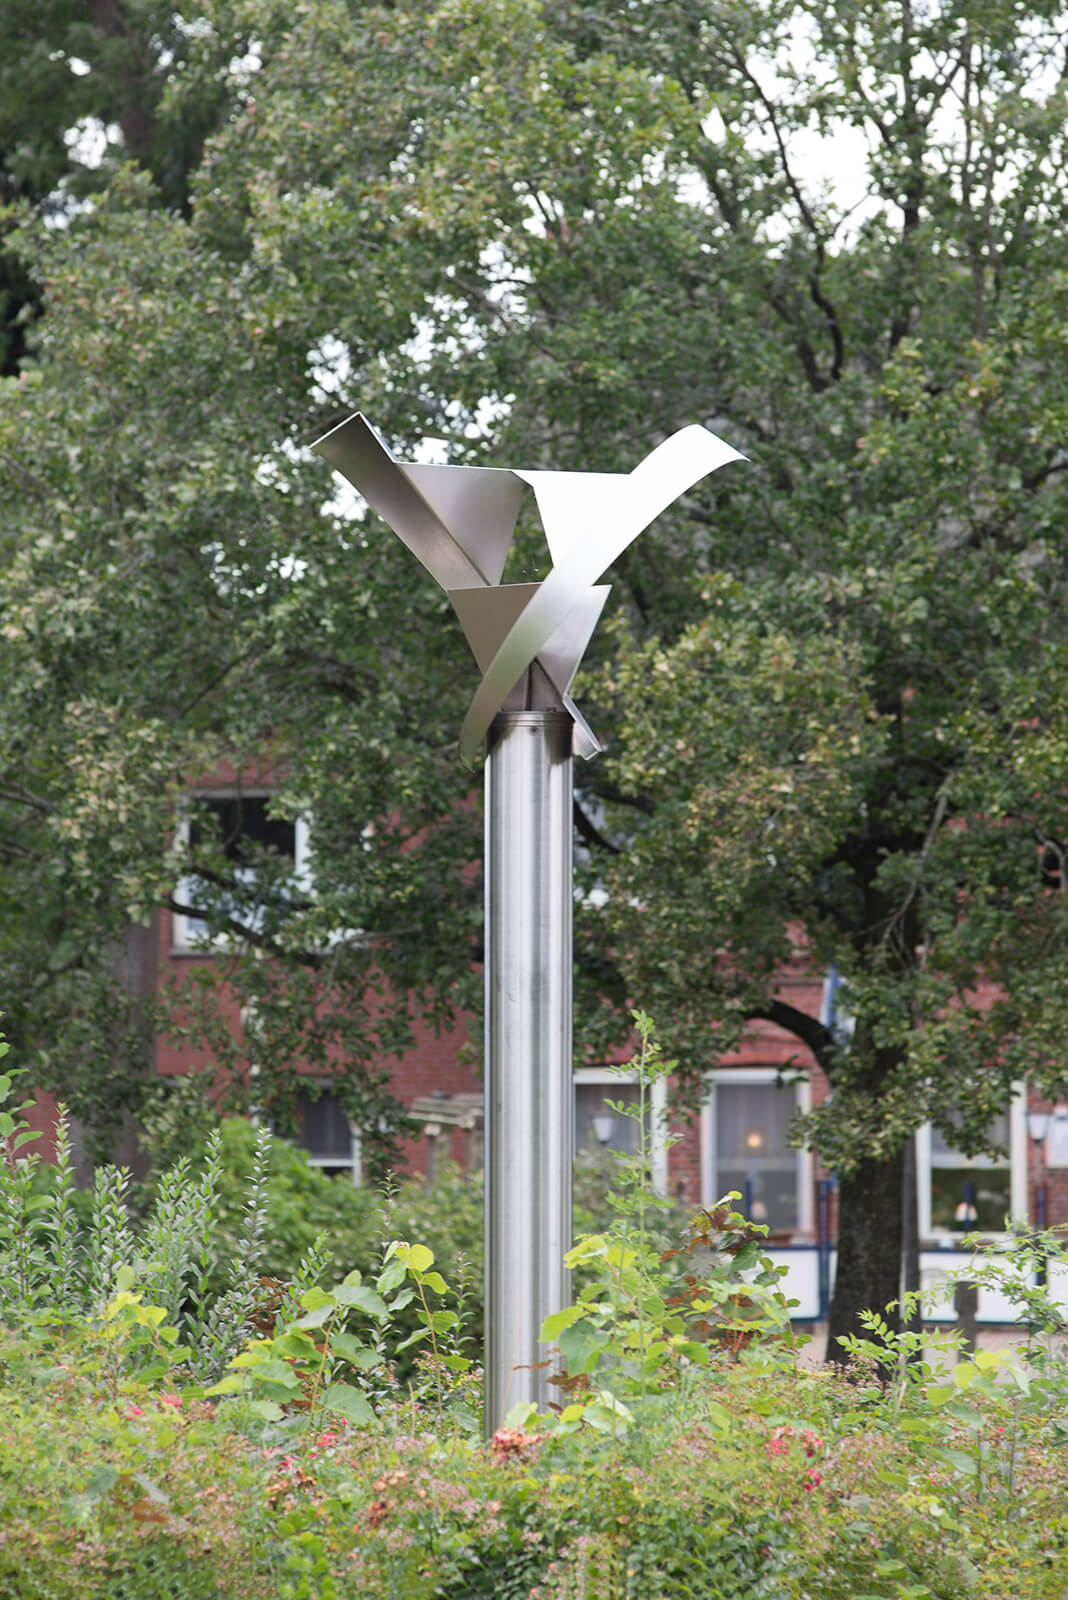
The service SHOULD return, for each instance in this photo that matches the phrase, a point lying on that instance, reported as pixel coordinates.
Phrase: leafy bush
(337, 1455)
(348, 1226)
(749, 1480)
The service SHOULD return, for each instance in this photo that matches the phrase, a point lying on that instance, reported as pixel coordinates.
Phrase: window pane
(323, 1128)
(236, 824)
(752, 1123)
(240, 820)
(774, 1194)
(963, 1198)
(590, 1102)
(943, 1154)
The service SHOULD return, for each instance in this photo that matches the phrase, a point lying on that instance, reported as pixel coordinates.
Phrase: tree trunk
(868, 1276)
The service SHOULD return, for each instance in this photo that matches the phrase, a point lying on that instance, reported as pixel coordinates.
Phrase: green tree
(546, 232)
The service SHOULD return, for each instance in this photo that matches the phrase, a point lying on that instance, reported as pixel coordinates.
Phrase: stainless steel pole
(529, 1092)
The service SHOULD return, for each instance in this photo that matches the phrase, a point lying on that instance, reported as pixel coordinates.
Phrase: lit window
(958, 1192)
(745, 1128)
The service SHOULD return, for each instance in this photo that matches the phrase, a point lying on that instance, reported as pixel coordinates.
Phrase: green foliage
(835, 685)
(646, 1316)
(761, 1481)
(313, 1367)
(299, 1477)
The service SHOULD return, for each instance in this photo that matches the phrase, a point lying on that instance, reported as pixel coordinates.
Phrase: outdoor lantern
(1038, 1125)
(603, 1128)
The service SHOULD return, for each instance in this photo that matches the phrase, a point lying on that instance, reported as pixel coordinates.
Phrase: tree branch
(813, 1033)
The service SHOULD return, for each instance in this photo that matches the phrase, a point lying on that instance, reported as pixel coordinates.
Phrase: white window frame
(658, 1108)
(1018, 1208)
(184, 940)
(805, 1160)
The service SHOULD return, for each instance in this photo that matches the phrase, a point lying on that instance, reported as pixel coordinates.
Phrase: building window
(744, 1132)
(327, 1136)
(598, 1128)
(240, 826)
(959, 1193)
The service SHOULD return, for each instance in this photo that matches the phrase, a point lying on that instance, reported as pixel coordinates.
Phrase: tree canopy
(549, 233)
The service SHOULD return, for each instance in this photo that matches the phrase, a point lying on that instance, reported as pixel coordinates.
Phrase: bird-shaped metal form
(527, 638)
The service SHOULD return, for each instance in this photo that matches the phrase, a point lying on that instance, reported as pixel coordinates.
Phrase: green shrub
(321, 1468)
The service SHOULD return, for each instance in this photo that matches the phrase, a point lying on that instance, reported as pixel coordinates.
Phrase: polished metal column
(529, 1094)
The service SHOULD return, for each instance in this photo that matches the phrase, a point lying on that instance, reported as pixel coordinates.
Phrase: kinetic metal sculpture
(528, 640)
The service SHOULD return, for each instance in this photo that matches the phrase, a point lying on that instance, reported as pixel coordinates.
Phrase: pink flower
(172, 1400)
(813, 1479)
(509, 1442)
(134, 1411)
(325, 1440)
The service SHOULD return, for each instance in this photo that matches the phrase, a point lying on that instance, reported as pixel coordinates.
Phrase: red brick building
(738, 1141)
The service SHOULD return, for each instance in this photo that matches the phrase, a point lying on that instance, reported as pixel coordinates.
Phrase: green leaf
(349, 1403)
(580, 1345)
(153, 1491)
(315, 1299)
(295, 1344)
(362, 1298)
(607, 1419)
(391, 1276)
(420, 1258)
(274, 1371)
(557, 1321)
(521, 1415)
(267, 1409)
(101, 1481)
(959, 1460)
(316, 1318)
(231, 1385)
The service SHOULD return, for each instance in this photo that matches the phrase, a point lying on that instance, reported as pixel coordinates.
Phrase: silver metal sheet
(478, 505)
(459, 522)
(562, 652)
(487, 616)
(355, 450)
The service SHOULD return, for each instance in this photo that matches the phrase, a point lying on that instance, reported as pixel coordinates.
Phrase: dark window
(325, 1134)
(242, 820)
(242, 827)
